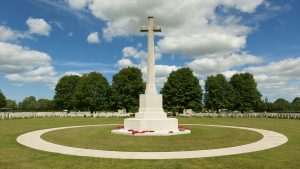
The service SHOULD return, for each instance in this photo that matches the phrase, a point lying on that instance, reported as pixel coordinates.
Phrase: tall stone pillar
(151, 87)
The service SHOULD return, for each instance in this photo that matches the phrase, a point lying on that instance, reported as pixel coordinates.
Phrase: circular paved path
(270, 139)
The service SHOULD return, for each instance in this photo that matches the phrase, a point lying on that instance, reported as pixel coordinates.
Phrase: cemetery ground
(14, 155)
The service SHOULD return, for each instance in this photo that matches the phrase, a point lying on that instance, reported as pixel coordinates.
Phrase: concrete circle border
(270, 139)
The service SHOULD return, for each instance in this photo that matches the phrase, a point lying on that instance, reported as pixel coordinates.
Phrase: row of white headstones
(15, 115)
(244, 115)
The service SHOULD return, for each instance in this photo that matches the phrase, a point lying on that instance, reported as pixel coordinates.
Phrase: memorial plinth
(151, 118)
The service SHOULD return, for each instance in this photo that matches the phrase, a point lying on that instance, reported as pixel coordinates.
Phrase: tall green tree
(2, 100)
(296, 104)
(282, 105)
(92, 92)
(29, 103)
(45, 104)
(64, 97)
(219, 93)
(182, 91)
(126, 87)
(247, 96)
(11, 104)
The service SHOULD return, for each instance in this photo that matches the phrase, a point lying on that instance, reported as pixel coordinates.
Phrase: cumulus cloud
(38, 26)
(8, 35)
(194, 29)
(161, 73)
(277, 79)
(23, 65)
(139, 54)
(93, 38)
(125, 63)
(209, 66)
(133, 52)
(190, 27)
(288, 68)
(77, 4)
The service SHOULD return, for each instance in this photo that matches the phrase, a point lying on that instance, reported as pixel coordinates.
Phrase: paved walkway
(270, 139)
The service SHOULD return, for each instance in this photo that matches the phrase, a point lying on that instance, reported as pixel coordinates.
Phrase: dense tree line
(182, 90)
(28, 104)
(92, 91)
(281, 105)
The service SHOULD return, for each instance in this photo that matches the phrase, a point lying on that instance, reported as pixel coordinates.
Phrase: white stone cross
(151, 87)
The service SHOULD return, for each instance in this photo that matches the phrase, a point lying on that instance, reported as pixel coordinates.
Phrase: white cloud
(133, 52)
(93, 38)
(278, 79)
(72, 73)
(161, 73)
(38, 26)
(190, 27)
(8, 35)
(288, 68)
(202, 44)
(140, 55)
(228, 74)
(77, 4)
(23, 65)
(125, 63)
(208, 66)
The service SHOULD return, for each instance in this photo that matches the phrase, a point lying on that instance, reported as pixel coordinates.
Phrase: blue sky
(42, 40)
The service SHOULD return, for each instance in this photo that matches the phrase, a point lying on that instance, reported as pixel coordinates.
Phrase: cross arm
(144, 29)
(156, 29)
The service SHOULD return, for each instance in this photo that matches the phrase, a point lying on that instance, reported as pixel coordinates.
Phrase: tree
(282, 105)
(11, 104)
(44, 104)
(2, 100)
(219, 93)
(126, 87)
(92, 92)
(296, 104)
(29, 103)
(247, 97)
(64, 97)
(182, 91)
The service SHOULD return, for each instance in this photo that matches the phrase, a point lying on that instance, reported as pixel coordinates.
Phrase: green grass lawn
(201, 138)
(14, 155)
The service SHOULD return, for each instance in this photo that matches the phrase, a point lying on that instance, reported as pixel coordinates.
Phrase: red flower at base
(119, 127)
(182, 128)
(139, 132)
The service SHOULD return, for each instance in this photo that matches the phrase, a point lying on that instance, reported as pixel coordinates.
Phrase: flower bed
(140, 132)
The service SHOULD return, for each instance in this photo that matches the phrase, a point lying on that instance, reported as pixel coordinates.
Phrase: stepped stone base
(151, 119)
(165, 124)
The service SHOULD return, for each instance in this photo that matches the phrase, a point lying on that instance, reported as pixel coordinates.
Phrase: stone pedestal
(151, 117)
